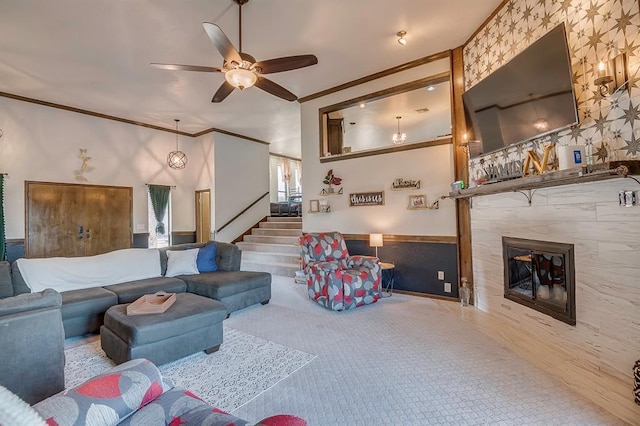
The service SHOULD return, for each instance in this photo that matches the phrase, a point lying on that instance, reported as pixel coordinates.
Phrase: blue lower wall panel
(417, 264)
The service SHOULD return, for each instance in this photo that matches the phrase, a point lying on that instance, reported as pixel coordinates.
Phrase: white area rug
(243, 368)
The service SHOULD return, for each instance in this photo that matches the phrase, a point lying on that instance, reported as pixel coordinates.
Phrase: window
(282, 187)
(159, 240)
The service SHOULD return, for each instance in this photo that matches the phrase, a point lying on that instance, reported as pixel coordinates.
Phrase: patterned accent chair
(335, 279)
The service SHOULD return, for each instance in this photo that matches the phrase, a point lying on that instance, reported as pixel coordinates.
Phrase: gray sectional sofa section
(31, 342)
(83, 310)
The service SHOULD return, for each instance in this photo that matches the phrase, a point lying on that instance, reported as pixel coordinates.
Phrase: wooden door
(203, 215)
(107, 216)
(76, 220)
(53, 215)
(334, 135)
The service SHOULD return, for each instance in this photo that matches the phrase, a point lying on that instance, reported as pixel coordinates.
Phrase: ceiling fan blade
(286, 64)
(275, 89)
(223, 92)
(177, 67)
(222, 43)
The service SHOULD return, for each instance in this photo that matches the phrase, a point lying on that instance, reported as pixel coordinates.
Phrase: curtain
(286, 171)
(159, 195)
(3, 243)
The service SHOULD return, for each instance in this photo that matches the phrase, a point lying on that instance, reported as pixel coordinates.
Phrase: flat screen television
(530, 96)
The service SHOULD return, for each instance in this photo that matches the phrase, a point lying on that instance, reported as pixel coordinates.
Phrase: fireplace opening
(540, 275)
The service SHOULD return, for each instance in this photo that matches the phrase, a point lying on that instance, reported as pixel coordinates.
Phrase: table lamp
(375, 240)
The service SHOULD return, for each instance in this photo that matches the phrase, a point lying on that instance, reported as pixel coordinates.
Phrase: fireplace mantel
(597, 172)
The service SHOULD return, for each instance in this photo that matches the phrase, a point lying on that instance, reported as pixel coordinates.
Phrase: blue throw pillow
(206, 260)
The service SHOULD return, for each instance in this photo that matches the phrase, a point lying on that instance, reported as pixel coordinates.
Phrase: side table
(387, 269)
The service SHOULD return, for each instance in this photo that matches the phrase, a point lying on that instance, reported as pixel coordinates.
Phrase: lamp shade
(241, 78)
(375, 240)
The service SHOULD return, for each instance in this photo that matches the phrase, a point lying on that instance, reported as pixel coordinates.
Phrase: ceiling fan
(241, 69)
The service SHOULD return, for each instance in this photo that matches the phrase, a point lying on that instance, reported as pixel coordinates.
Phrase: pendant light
(177, 159)
(399, 138)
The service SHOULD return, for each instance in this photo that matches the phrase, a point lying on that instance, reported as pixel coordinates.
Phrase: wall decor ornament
(314, 206)
(401, 183)
(331, 180)
(419, 202)
(84, 165)
(359, 199)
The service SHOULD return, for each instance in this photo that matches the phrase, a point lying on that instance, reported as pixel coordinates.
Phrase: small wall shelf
(597, 172)
(325, 192)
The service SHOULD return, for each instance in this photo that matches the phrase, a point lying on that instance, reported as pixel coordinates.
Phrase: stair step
(281, 225)
(277, 232)
(266, 239)
(283, 269)
(269, 248)
(284, 219)
(262, 257)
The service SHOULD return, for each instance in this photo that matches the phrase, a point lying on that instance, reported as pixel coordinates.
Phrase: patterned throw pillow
(207, 258)
(105, 399)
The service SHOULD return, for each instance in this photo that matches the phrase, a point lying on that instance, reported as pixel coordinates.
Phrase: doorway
(203, 215)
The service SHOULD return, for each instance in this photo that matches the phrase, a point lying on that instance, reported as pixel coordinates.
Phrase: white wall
(241, 175)
(41, 144)
(432, 166)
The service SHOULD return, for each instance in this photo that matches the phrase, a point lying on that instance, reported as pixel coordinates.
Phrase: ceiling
(95, 54)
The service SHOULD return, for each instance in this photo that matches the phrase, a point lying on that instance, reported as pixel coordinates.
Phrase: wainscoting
(417, 262)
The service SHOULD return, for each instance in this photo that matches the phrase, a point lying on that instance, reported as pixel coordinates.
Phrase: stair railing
(241, 213)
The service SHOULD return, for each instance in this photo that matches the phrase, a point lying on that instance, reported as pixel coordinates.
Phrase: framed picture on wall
(417, 202)
(314, 206)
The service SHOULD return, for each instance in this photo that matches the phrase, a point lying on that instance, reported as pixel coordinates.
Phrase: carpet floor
(402, 361)
(244, 367)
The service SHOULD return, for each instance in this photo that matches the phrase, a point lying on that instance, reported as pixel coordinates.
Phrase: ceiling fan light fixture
(241, 78)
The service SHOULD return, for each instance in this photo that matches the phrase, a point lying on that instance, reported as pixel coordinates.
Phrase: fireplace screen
(540, 275)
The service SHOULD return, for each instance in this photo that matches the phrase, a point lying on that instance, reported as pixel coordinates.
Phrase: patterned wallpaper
(597, 29)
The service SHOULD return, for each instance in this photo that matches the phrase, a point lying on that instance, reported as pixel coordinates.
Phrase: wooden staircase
(273, 247)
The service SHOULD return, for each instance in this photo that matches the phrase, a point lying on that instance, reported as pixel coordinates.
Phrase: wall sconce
(612, 75)
(401, 39)
(375, 240)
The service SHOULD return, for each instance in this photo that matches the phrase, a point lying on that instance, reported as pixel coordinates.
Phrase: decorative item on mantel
(330, 180)
(539, 167)
(401, 183)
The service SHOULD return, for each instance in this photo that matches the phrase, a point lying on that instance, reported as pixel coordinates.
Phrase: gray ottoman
(192, 324)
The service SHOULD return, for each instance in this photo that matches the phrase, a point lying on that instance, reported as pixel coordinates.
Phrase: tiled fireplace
(540, 275)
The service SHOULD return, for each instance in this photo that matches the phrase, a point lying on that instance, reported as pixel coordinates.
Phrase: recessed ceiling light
(401, 39)
(431, 88)
(362, 105)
